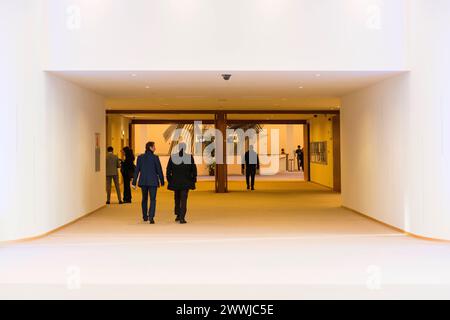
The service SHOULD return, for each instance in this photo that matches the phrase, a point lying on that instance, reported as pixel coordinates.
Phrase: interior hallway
(235, 246)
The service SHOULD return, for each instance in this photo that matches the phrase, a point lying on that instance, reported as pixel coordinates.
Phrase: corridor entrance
(284, 138)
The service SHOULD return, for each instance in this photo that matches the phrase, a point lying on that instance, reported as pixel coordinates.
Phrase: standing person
(127, 170)
(299, 154)
(250, 163)
(181, 176)
(149, 173)
(112, 164)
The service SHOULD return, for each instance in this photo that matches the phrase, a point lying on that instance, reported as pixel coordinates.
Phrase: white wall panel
(226, 35)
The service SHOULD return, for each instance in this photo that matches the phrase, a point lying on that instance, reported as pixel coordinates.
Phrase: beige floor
(282, 176)
(288, 239)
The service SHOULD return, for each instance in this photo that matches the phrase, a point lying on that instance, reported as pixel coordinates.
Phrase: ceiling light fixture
(133, 74)
(318, 75)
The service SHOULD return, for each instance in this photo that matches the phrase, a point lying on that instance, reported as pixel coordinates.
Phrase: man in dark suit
(150, 175)
(250, 163)
(181, 175)
(299, 154)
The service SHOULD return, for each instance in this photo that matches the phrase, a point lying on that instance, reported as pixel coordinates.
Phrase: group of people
(181, 176)
(127, 169)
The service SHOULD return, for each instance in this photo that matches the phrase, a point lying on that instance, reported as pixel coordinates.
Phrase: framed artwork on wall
(319, 152)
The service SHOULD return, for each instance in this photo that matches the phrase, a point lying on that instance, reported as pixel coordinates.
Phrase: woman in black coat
(181, 175)
(127, 170)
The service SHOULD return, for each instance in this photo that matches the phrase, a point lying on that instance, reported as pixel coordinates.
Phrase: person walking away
(181, 176)
(127, 170)
(150, 177)
(299, 154)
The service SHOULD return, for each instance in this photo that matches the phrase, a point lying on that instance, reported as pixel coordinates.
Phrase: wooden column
(336, 154)
(221, 169)
(306, 157)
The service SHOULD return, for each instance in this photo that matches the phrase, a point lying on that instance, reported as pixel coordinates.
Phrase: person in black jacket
(299, 154)
(181, 175)
(250, 163)
(127, 170)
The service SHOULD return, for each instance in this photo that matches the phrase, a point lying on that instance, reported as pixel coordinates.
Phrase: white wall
(374, 145)
(396, 135)
(73, 117)
(429, 118)
(48, 136)
(226, 35)
(9, 62)
(18, 20)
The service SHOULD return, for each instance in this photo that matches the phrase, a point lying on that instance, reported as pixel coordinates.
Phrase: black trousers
(300, 164)
(181, 197)
(250, 174)
(126, 188)
(146, 192)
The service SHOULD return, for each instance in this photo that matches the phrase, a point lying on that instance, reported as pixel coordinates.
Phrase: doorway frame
(222, 179)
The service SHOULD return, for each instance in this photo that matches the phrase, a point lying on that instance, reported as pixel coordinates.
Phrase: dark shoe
(183, 221)
(177, 219)
(152, 221)
(248, 188)
(253, 189)
(145, 219)
(107, 202)
(120, 202)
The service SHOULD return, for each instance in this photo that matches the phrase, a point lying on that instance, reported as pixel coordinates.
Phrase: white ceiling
(207, 88)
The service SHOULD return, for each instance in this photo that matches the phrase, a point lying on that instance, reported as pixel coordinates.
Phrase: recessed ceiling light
(301, 87)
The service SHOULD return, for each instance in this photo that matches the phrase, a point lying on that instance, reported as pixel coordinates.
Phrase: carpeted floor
(288, 239)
